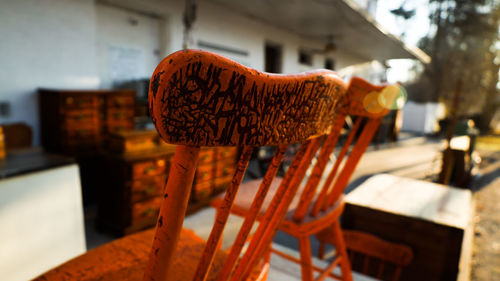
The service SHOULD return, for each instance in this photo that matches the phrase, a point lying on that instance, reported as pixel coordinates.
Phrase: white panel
(41, 222)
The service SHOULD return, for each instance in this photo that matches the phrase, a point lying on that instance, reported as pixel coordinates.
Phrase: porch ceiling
(352, 28)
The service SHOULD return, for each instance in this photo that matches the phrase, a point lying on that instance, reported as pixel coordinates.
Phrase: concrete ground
(486, 246)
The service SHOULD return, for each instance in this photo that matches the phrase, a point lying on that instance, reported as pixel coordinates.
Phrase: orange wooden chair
(371, 255)
(201, 99)
(317, 208)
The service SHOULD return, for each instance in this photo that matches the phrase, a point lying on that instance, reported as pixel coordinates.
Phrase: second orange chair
(319, 202)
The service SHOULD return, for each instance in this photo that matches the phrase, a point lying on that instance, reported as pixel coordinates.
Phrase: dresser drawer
(74, 124)
(91, 140)
(214, 170)
(221, 184)
(137, 144)
(117, 127)
(149, 168)
(205, 172)
(203, 190)
(80, 115)
(147, 188)
(87, 131)
(120, 114)
(206, 156)
(80, 101)
(120, 101)
(145, 210)
(226, 152)
(225, 169)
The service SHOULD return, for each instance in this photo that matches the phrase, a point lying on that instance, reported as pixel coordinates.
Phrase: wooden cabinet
(132, 183)
(215, 170)
(74, 122)
(131, 189)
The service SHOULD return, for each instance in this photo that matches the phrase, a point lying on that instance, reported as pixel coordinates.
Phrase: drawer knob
(150, 169)
(148, 212)
(149, 190)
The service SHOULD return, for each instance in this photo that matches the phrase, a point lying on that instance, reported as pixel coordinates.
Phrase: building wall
(218, 25)
(44, 43)
(422, 117)
(67, 43)
(128, 45)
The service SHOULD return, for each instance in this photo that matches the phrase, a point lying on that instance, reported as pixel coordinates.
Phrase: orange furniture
(373, 256)
(201, 99)
(74, 122)
(318, 208)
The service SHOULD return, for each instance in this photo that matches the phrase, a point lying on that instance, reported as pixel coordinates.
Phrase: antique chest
(131, 189)
(74, 122)
(132, 180)
(128, 141)
(216, 166)
(434, 220)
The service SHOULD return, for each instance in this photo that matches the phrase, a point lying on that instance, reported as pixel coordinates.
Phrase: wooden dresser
(74, 122)
(131, 189)
(215, 170)
(135, 170)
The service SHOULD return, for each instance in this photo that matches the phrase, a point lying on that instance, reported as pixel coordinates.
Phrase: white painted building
(96, 43)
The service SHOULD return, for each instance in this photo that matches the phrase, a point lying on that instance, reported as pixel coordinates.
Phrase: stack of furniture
(74, 122)
(137, 164)
(132, 182)
(77, 122)
(216, 166)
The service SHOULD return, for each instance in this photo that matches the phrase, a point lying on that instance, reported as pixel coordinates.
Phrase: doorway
(273, 58)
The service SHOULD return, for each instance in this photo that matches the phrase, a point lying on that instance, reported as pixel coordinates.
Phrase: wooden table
(434, 220)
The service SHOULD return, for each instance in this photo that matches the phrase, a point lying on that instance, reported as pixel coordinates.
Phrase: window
(305, 58)
(273, 58)
(329, 64)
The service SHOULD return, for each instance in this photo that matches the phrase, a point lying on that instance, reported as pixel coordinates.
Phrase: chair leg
(340, 248)
(321, 250)
(306, 258)
(219, 244)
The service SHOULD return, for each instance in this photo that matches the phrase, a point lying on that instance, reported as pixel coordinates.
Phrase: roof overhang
(352, 28)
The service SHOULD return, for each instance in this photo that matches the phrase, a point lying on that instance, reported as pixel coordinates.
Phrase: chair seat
(243, 202)
(125, 259)
(246, 194)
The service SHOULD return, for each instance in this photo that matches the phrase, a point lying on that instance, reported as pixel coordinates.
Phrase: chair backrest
(201, 99)
(376, 257)
(368, 104)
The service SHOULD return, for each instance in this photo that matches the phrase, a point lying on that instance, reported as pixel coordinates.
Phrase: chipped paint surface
(199, 98)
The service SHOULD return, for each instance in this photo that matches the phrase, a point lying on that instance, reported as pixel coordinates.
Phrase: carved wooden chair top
(199, 99)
